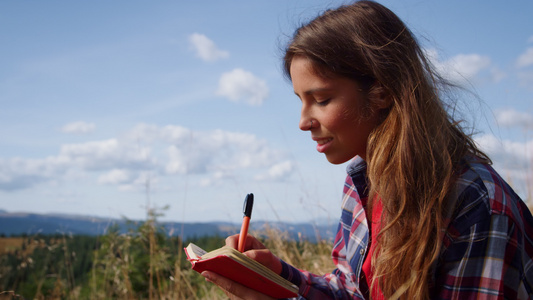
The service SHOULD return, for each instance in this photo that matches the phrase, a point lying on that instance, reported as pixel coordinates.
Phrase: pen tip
(248, 204)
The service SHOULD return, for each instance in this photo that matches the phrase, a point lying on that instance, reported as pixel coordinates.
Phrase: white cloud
(511, 153)
(240, 85)
(149, 133)
(526, 79)
(149, 150)
(513, 118)
(216, 178)
(181, 161)
(143, 181)
(19, 173)
(220, 152)
(78, 127)
(525, 59)
(525, 76)
(277, 172)
(95, 156)
(512, 160)
(465, 67)
(107, 154)
(114, 176)
(206, 48)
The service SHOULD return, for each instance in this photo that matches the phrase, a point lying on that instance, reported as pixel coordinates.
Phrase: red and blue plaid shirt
(487, 250)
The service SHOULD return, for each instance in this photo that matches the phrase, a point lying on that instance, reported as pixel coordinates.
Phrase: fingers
(251, 242)
(233, 289)
(233, 241)
(266, 258)
(256, 251)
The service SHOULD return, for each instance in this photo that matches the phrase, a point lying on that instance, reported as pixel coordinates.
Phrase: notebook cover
(229, 268)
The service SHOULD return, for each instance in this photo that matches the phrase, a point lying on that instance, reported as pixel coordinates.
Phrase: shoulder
(480, 192)
(489, 233)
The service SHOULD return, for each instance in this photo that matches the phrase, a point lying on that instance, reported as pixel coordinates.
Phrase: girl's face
(338, 109)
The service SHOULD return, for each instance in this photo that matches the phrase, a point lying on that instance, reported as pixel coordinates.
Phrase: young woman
(424, 216)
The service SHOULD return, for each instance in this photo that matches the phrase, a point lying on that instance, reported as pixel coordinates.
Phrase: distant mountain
(31, 224)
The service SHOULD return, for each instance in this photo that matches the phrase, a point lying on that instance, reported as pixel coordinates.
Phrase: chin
(337, 160)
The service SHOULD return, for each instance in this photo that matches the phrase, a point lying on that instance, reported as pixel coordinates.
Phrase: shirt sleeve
(349, 246)
(341, 283)
(335, 285)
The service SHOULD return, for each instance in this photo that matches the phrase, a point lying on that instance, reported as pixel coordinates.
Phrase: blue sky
(108, 106)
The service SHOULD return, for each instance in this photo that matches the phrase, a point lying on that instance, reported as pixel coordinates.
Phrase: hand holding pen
(247, 210)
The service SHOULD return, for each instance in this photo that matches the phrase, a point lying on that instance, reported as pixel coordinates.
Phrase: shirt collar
(356, 165)
(356, 169)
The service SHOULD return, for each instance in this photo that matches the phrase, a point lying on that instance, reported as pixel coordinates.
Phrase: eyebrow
(314, 91)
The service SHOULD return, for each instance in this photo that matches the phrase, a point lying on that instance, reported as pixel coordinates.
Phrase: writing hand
(255, 250)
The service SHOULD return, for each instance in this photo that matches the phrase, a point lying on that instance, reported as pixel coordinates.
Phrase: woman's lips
(323, 144)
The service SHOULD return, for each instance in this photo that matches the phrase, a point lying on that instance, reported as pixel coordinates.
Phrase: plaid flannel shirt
(487, 250)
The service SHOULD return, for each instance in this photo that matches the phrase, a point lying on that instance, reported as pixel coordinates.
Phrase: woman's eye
(323, 102)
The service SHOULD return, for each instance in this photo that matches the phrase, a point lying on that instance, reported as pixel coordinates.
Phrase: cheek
(341, 123)
(339, 117)
(350, 118)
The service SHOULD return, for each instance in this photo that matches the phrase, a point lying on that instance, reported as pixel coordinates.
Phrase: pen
(247, 209)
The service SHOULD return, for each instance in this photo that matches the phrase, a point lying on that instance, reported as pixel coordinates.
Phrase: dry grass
(26, 245)
(10, 244)
(112, 276)
(312, 257)
(112, 280)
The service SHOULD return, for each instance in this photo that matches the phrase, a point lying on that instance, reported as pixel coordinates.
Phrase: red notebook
(238, 267)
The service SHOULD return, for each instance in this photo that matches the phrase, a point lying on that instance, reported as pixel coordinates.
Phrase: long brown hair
(413, 155)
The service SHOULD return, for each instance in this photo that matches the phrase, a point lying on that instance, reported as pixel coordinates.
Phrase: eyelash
(323, 102)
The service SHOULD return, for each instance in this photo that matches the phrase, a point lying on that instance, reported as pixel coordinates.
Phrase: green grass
(142, 264)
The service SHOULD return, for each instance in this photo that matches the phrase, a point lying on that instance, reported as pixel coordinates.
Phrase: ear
(379, 96)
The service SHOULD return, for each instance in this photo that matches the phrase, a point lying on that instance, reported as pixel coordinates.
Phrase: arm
(343, 282)
(329, 286)
(349, 248)
(335, 285)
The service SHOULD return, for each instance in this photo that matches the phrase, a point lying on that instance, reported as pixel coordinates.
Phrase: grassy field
(142, 264)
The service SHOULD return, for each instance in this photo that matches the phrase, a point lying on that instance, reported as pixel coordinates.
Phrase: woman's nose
(306, 123)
